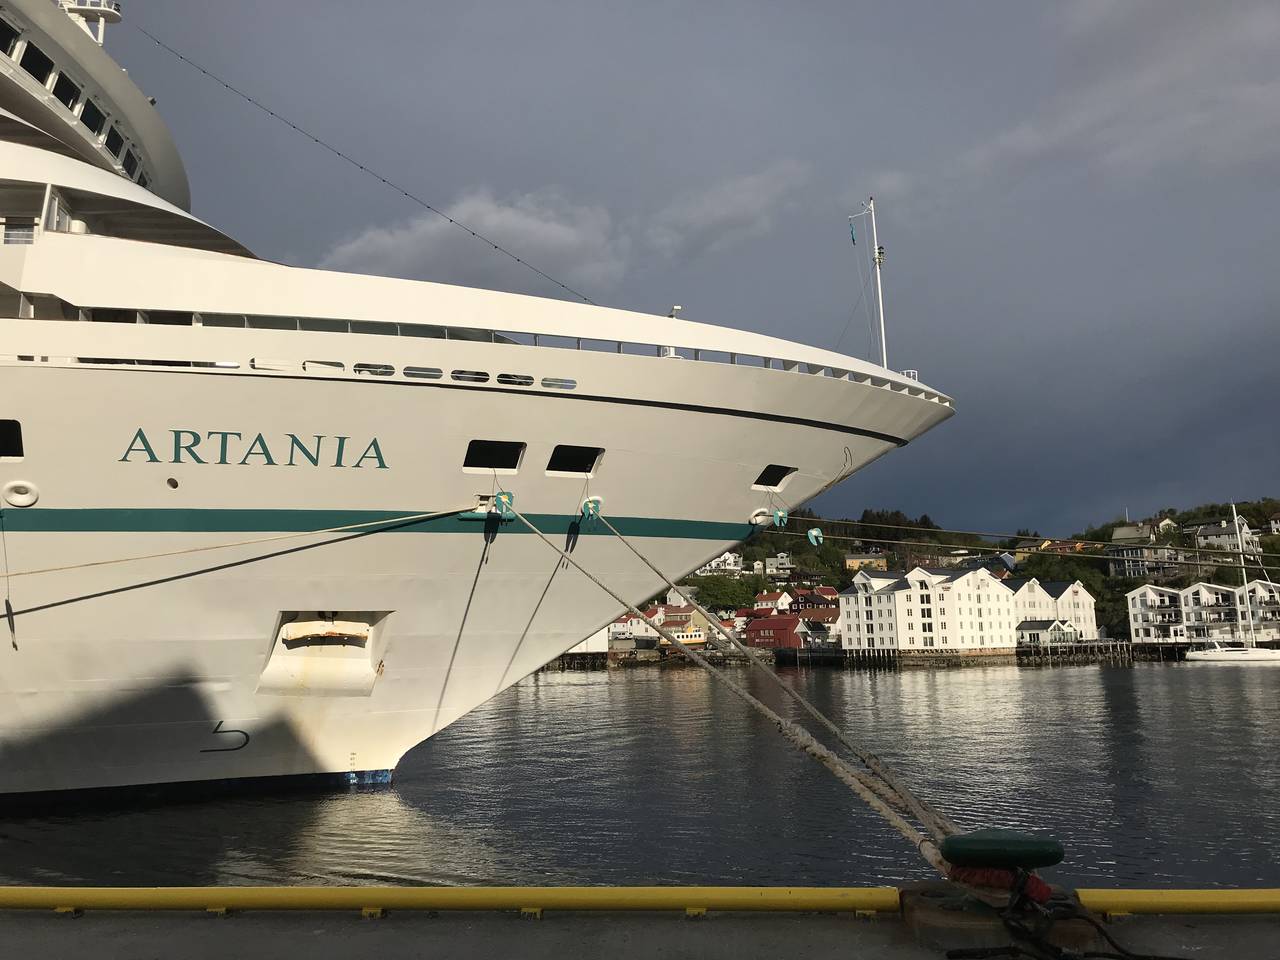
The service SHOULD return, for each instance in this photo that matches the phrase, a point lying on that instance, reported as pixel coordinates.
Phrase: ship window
(321, 325)
(421, 330)
(772, 477)
(493, 455)
(36, 63)
(273, 323)
(112, 315)
(424, 373)
(470, 376)
(559, 383)
(115, 142)
(92, 117)
(467, 333)
(579, 461)
(143, 182)
(373, 327)
(66, 90)
(131, 167)
(169, 318)
(8, 38)
(222, 319)
(10, 438)
(19, 230)
(374, 369)
(515, 379)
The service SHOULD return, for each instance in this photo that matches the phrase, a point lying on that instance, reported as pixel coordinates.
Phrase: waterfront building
(1041, 632)
(1204, 611)
(933, 610)
(1275, 524)
(783, 632)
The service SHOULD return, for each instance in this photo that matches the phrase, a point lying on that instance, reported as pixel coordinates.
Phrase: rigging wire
(862, 294)
(876, 525)
(925, 544)
(360, 166)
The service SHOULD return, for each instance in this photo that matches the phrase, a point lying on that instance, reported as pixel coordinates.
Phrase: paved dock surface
(558, 936)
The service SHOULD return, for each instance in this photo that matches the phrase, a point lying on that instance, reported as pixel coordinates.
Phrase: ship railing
(480, 335)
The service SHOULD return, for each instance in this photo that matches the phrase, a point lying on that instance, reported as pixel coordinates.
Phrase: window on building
(36, 63)
(10, 436)
(66, 90)
(501, 455)
(579, 461)
(130, 163)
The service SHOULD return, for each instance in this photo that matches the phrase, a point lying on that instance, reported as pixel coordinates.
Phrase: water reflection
(1152, 774)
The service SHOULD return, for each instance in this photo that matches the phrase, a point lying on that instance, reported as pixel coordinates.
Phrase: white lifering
(20, 493)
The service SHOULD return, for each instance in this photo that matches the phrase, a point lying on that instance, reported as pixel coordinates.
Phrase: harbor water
(1151, 774)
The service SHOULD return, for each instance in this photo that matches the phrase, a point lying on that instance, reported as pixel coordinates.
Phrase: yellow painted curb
(1181, 901)
(821, 899)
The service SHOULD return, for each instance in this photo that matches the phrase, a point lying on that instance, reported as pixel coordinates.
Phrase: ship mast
(92, 15)
(1244, 574)
(878, 257)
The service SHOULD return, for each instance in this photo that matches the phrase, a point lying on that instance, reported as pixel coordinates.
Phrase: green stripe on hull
(130, 520)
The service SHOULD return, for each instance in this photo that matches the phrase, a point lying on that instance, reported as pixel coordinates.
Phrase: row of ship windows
(70, 94)
(44, 307)
(483, 456)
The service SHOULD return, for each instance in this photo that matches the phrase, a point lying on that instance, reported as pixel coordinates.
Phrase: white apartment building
(928, 610)
(1221, 535)
(1204, 611)
(728, 564)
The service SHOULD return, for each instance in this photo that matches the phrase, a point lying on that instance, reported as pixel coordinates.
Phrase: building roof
(1041, 624)
(827, 591)
(784, 622)
(1056, 588)
(744, 612)
(822, 615)
(775, 595)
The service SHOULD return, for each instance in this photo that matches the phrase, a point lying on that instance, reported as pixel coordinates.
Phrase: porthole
(515, 380)
(424, 373)
(773, 477)
(559, 383)
(568, 460)
(470, 376)
(374, 369)
(493, 456)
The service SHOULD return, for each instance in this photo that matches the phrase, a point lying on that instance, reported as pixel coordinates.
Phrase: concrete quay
(317, 935)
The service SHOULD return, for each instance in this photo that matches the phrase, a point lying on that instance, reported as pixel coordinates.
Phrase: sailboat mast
(1244, 574)
(878, 256)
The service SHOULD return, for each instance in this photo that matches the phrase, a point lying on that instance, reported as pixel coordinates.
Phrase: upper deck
(55, 76)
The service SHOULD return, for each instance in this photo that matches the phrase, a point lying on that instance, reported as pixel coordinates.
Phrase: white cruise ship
(211, 465)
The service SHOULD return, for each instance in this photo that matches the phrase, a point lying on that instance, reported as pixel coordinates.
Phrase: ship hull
(166, 668)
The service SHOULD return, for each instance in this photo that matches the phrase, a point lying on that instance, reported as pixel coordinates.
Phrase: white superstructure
(168, 397)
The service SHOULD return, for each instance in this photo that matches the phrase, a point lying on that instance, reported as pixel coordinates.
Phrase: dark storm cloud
(1078, 200)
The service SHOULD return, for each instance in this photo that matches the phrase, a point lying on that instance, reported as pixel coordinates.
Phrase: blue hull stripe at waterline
(180, 520)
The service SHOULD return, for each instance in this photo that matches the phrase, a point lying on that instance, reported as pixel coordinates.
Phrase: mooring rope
(855, 780)
(937, 822)
(384, 521)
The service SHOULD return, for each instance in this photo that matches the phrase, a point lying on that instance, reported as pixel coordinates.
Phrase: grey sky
(1080, 201)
